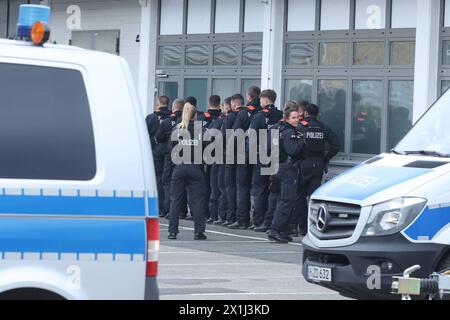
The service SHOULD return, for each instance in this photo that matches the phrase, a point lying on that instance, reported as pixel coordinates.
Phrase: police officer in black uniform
(222, 206)
(268, 117)
(321, 145)
(237, 103)
(291, 145)
(162, 137)
(214, 116)
(274, 187)
(244, 171)
(153, 121)
(188, 176)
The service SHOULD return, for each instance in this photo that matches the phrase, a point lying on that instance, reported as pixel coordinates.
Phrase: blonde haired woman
(188, 176)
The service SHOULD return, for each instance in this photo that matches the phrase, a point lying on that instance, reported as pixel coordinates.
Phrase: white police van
(78, 207)
(386, 215)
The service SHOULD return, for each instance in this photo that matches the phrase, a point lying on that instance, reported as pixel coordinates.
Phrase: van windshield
(431, 134)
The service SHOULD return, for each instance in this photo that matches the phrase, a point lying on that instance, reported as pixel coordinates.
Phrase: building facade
(373, 66)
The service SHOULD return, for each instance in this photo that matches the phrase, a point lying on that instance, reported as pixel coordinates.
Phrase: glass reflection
(298, 90)
(332, 99)
(333, 54)
(366, 116)
(400, 110)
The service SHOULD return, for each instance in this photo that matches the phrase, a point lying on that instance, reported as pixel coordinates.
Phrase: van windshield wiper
(397, 152)
(428, 153)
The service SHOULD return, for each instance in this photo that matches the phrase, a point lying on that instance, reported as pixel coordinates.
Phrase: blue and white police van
(385, 215)
(78, 203)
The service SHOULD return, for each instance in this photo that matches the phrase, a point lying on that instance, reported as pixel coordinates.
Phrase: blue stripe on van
(367, 180)
(72, 236)
(153, 207)
(429, 223)
(77, 206)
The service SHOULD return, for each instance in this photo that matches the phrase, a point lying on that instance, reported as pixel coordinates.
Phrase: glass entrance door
(170, 89)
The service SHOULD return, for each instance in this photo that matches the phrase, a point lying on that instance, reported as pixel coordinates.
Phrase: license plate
(319, 274)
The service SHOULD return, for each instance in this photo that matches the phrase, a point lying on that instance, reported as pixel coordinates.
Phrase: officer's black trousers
(190, 178)
(274, 197)
(208, 187)
(311, 171)
(230, 183)
(289, 198)
(215, 192)
(159, 171)
(222, 206)
(260, 193)
(243, 187)
(166, 179)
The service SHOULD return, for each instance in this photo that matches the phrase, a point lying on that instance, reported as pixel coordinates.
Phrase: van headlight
(390, 217)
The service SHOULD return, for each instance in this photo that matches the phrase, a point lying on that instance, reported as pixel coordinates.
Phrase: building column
(147, 54)
(273, 34)
(427, 56)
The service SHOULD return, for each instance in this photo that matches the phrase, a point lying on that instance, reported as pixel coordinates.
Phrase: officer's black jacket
(154, 121)
(214, 117)
(195, 139)
(227, 124)
(266, 118)
(245, 115)
(228, 121)
(316, 135)
(164, 132)
(214, 121)
(291, 143)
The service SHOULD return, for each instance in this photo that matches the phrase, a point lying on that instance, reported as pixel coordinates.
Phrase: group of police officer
(234, 194)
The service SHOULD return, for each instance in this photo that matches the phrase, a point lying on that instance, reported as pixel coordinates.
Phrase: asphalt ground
(232, 265)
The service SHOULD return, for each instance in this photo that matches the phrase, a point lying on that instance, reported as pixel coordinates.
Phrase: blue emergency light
(34, 23)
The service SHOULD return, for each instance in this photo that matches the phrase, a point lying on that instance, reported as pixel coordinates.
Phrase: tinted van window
(45, 124)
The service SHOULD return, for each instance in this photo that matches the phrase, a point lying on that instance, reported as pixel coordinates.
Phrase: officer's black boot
(200, 236)
(219, 222)
(262, 228)
(172, 236)
(277, 237)
(287, 237)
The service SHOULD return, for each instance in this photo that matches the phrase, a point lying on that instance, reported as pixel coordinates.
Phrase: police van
(78, 203)
(385, 215)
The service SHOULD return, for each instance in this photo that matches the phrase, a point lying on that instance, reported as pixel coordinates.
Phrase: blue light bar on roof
(29, 14)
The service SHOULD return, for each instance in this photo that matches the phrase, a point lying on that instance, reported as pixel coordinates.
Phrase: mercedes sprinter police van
(78, 207)
(385, 215)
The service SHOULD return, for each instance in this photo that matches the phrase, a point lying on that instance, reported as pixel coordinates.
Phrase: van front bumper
(358, 268)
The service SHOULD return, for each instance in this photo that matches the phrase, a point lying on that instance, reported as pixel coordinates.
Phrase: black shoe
(189, 218)
(210, 221)
(227, 223)
(252, 227)
(219, 222)
(287, 237)
(293, 233)
(200, 236)
(237, 226)
(302, 233)
(172, 236)
(277, 237)
(261, 229)
(163, 214)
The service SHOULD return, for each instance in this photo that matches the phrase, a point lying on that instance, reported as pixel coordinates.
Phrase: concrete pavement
(232, 265)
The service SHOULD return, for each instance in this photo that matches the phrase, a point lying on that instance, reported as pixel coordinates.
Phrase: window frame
(350, 72)
(181, 72)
